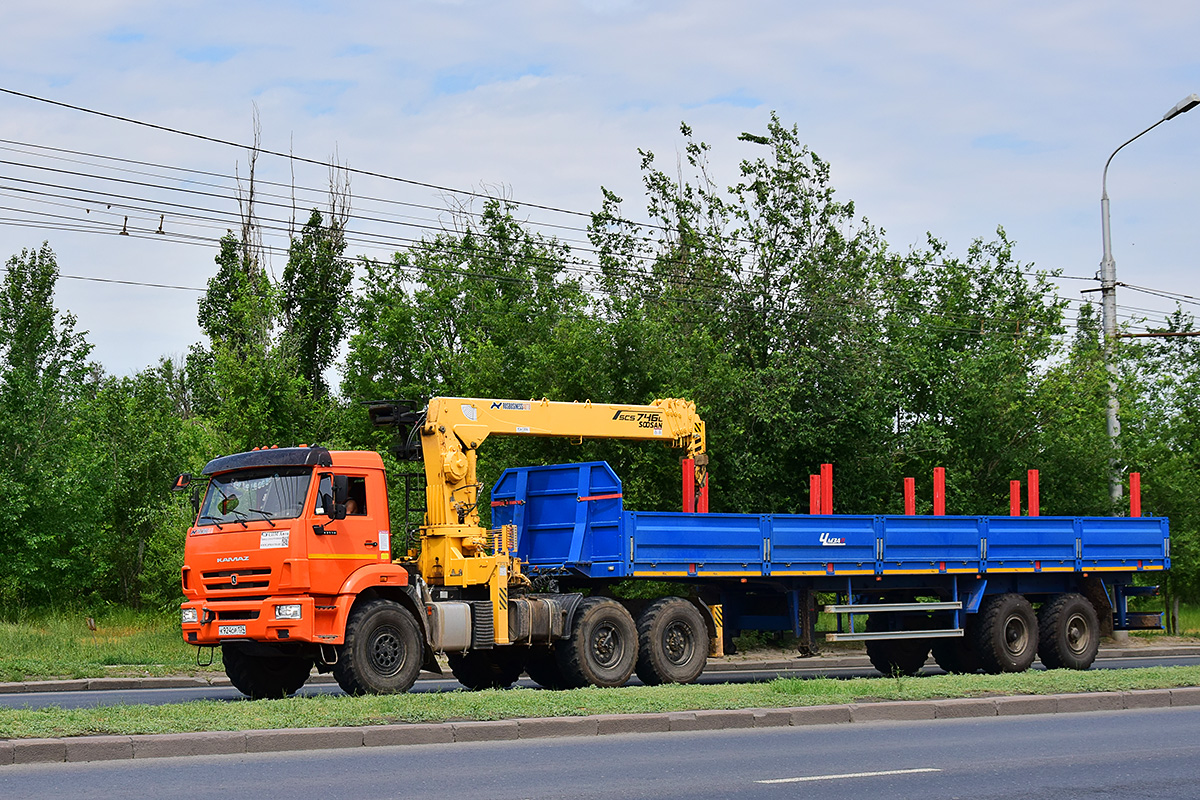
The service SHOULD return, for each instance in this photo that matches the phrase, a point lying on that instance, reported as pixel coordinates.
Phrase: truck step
(867, 608)
(1140, 621)
(944, 633)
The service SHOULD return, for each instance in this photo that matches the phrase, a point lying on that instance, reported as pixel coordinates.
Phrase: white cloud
(936, 116)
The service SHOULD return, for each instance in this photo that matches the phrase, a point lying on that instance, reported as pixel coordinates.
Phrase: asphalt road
(1135, 753)
(94, 698)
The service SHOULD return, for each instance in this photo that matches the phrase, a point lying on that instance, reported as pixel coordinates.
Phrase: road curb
(117, 748)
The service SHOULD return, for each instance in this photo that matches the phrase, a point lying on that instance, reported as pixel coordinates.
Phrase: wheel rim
(1016, 635)
(678, 644)
(607, 646)
(1079, 634)
(386, 651)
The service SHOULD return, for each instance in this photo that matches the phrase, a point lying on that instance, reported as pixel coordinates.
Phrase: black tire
(382, 653)
(602, 648)
(895, 657)
(1007, 634)
(264, 677)
(1068, 632)
(957, 655)
(672, 642)
(488, 669)
(542, 668)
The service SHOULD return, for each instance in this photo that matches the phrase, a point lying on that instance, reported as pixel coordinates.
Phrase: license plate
(231, 630)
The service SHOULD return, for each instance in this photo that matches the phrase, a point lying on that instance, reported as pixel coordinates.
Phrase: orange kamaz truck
(289, 563)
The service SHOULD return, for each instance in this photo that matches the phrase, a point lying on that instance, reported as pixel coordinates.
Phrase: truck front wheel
(672, 642)
(382, 651)
(1006, 637)
(602, 649)
(264, 677)
(1069, 632)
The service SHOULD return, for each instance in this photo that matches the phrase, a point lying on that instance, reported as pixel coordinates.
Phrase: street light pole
(1108, 303)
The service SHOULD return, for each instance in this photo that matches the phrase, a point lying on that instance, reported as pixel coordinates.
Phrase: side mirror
(331, 495)
(182, 482)
(341, 491)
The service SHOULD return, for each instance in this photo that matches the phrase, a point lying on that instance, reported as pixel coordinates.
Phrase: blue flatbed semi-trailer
(983, 591)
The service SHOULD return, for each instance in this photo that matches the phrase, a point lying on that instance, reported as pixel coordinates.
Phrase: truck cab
(284, 542)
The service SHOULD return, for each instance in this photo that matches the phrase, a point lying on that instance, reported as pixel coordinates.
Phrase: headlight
(191, 615)
(287, 612)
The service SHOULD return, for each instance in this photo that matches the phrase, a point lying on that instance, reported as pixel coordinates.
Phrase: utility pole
(1108, 305)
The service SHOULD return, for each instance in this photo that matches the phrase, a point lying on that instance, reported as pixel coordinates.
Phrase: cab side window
(356, 499)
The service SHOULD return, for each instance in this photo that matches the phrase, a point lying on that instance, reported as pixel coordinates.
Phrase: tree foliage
(802, 336)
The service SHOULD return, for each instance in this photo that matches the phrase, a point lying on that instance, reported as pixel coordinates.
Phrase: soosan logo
(833, 541)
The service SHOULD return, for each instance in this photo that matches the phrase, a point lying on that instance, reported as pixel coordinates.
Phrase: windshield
(263, 493)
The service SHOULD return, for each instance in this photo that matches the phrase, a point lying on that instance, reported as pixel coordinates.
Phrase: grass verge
(60, 645)
(342, 711)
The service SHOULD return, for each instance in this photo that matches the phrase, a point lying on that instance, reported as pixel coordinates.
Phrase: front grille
(236, 615)
(237, 579)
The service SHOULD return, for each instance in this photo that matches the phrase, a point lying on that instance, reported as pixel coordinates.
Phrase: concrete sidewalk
(110, 748)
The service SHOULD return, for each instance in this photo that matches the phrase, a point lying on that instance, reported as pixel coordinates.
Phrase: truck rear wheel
(382, 653)
(1069, 632)
(672, 642)
(488, 669)
(602, 648)
(264, 677)
(1007, 635)
(542, 668)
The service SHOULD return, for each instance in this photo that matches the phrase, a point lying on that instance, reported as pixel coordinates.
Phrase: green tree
(316, 281)
(43, 373)
(1159, 429)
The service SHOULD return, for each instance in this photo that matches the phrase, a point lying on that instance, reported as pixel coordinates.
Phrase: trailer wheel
(1006, 638)
(903, 657)
(602, 648)
(895, 656)
(542, 668)
(1069, 632)
(957, 655)
(672, 642)
(382, 653)
(488, 669)
(264, 677)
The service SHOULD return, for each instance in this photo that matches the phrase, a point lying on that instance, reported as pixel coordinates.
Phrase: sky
(942, 118)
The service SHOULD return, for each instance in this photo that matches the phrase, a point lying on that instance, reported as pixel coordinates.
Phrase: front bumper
(231, 619)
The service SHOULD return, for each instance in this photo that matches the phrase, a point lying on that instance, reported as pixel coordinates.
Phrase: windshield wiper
(266, 515)
(214, 519)
(240, 517)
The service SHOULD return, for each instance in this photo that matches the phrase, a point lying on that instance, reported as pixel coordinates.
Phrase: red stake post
(939, 491)
(689, 485)
(814, 494)
(1034, 498)
(1135, 494)
(1014, 498)
(910, 496)
(827, 488)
